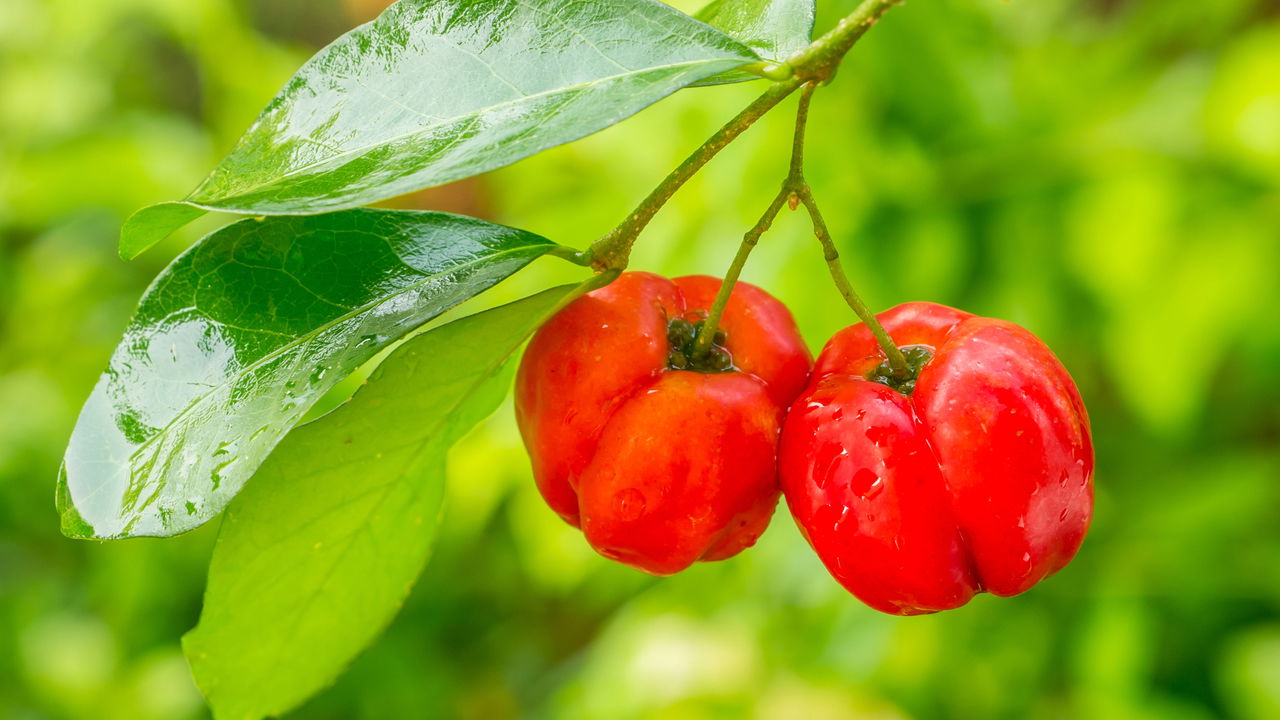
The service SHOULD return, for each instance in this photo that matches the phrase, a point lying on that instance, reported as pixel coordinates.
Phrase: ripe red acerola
(974, 476)
(663, 456)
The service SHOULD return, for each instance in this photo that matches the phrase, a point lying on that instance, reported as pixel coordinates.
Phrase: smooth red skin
(610, 428)
(979, 481)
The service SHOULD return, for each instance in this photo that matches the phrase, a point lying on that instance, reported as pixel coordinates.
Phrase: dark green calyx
(917, 357)
(683, 336)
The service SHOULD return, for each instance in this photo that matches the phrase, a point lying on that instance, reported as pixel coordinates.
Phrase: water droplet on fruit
(829, 465)
(866, 484)
(879, 435)
(629, 504)
(1062, 516)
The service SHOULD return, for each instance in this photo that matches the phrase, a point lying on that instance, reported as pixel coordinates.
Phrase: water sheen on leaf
(317, 554)
(773, 29)
(240, 335)
(437, 90)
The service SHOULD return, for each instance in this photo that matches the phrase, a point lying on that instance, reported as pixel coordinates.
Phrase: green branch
(820, 60)
(613, 250)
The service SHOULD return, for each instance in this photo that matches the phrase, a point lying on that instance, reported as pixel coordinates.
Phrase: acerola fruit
(661, 455)
(973, 474)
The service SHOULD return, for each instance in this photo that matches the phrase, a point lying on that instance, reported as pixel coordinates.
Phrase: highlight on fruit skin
(975, 478)
(661, 465)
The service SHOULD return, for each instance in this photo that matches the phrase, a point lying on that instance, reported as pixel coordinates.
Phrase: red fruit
(660, 467)
(978, 480)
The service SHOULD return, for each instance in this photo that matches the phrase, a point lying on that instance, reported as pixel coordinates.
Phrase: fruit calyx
(682, 334)
(917, 357)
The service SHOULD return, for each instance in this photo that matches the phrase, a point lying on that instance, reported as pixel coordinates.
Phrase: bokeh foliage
(1106, 173)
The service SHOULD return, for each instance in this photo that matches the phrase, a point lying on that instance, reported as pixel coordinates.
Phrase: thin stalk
(803, 194)
(786, 196)
(795, 171)
(712, 322)
(832, 256)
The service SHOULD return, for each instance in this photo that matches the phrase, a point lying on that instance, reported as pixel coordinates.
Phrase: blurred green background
(1106, 173)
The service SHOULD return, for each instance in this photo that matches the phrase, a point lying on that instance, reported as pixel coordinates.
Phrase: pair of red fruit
(972, 474)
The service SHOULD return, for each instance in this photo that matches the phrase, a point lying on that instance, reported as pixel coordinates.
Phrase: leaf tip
(154, 223)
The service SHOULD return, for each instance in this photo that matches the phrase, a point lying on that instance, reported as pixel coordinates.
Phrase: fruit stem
(803, 194)
(787, 195)
(703, 343)
(817, 62)
(896, 359)
(795, 190)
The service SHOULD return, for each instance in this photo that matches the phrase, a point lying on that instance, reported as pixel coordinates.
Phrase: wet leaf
(239, 336)
(317, 554)
(438, 90)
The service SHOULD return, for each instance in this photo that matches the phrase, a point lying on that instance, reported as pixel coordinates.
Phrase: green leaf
(317, 554)
(240, 335)
(773, 29)
(437, 90)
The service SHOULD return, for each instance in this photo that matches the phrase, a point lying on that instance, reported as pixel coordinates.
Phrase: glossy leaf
(437, 90)
(773, 29)
(317, 554)
(239, 336)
